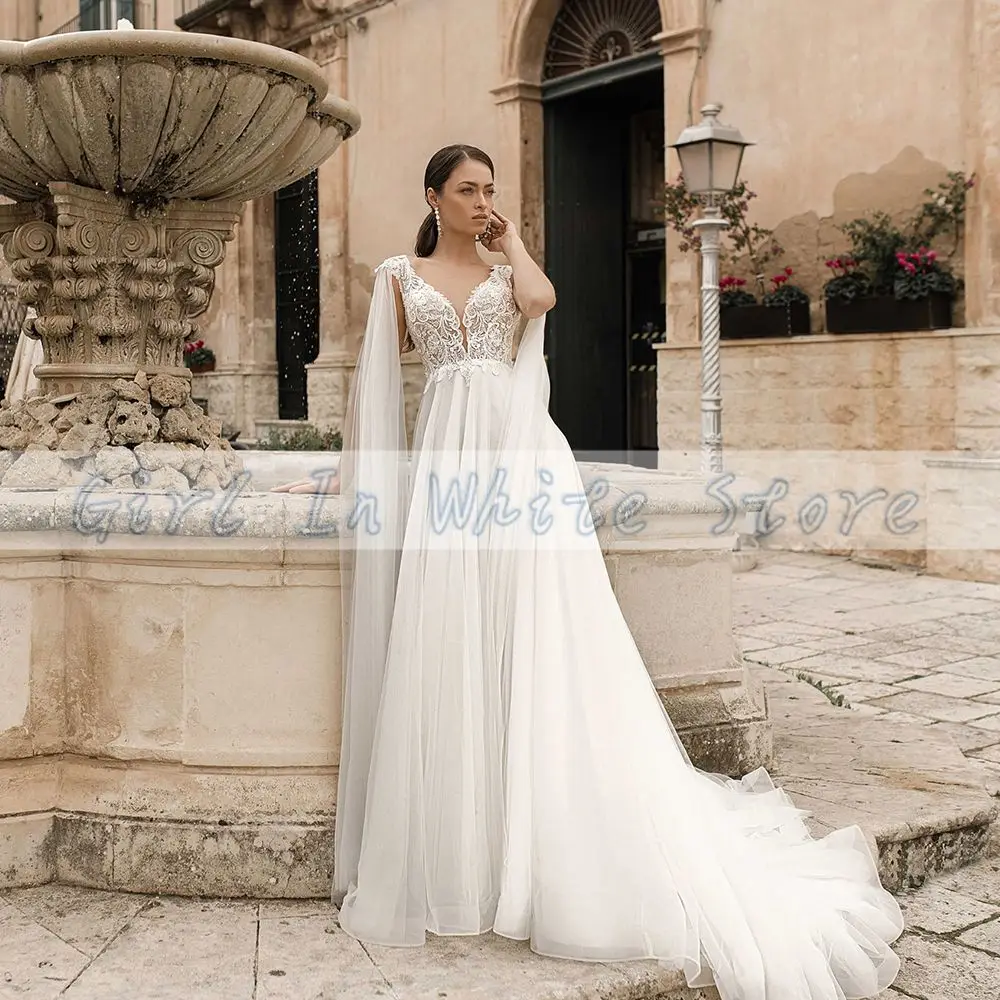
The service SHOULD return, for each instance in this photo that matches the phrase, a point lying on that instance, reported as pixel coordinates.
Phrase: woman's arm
(533, 292)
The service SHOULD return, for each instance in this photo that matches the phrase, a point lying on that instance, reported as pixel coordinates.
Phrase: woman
(506, 763)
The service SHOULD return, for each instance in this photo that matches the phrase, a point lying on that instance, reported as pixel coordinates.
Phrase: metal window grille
(12, 317)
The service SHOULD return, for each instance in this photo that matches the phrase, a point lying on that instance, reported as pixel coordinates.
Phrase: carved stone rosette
(116, 286)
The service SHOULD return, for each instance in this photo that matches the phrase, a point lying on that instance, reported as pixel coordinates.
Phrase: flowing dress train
(507, 764)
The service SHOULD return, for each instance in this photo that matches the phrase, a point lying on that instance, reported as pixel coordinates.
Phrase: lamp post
(710, 155)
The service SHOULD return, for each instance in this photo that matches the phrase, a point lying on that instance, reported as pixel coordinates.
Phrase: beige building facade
(575, 100)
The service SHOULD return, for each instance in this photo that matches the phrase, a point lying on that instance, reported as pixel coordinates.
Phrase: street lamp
(710, 155)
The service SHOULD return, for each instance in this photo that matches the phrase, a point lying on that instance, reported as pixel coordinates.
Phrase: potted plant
(198, 357)
(784, 311)
(792, 300)
(892, 281)
(737, 309)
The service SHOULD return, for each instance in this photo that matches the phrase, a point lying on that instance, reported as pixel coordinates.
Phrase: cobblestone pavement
(928, 650)
(881, 641)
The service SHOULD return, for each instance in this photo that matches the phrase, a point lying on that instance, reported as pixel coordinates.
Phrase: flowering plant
(921, 274)
(944, 210)
(680, 208)
(197, 354)
(732, 293)
(849, 282)
(887, 258)
(783, 293)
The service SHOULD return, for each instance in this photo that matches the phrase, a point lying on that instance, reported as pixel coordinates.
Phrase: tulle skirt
(525, 778)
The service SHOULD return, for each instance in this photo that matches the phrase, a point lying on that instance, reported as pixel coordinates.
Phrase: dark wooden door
(296, 260)
(586, 189)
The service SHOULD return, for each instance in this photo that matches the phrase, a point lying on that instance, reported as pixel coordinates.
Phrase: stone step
(922, 804)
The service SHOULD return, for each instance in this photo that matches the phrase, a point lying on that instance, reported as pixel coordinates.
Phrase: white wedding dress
(507, 764)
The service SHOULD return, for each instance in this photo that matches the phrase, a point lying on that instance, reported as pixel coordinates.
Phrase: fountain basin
(169, 703)
(159, 115)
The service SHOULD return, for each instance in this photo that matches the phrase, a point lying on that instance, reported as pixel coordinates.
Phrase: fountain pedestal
(128, 154)
(116, 285)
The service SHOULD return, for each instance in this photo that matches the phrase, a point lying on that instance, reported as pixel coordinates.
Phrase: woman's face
(466, 200)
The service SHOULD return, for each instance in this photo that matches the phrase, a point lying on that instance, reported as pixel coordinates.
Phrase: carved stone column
(116, 287)
(682, 43)
(329, 376)
(982, 227)
(520, 160)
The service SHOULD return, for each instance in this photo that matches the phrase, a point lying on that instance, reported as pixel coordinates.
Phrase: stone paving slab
(899, 646)
(900, 774)
(922, 804)
(171, 948)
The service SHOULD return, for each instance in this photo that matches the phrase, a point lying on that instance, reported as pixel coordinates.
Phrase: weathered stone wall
(935, 391)
(829, 414)
(866, 392)
(843, 123)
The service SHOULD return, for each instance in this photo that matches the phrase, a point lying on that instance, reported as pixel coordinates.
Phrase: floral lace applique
(433, 324)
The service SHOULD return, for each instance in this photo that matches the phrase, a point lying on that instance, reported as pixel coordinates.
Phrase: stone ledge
(920, 803)
(235, 512)
(836, 338)
(130, 854)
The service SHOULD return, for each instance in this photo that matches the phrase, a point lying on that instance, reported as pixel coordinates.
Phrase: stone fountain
(128, 155)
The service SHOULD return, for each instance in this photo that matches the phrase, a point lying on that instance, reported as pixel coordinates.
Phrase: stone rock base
(908, 863)
(145, 432)
(724, 728)
(150, 467)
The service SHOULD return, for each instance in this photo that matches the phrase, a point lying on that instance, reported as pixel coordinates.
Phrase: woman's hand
(329, 484)
(533, 292)
(502, 235)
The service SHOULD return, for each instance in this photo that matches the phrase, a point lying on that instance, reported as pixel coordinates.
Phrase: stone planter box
(887, 314)
(764, 322)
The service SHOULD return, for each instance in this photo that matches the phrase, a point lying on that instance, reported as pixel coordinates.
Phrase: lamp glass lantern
(711, 154)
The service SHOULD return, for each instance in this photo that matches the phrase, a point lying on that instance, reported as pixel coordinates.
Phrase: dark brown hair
(441, 166)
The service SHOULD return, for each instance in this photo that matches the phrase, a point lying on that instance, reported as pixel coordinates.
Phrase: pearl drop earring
(437, 219)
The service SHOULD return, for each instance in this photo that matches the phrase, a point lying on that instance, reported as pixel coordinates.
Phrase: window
(103, 15)
(589, 33)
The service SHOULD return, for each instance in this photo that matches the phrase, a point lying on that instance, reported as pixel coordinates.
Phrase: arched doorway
(602, 97)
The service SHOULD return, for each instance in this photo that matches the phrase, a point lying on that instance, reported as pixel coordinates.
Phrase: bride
(507, 764)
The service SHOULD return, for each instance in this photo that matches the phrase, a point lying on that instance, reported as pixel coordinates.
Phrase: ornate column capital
(327, 44)
(681, 40)
(517, 90)
(116, 288)
(277, 13)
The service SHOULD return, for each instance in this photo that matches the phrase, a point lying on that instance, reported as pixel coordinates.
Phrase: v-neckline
(460, 319)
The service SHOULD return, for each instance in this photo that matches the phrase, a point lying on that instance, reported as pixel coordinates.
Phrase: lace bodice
(432, 321)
